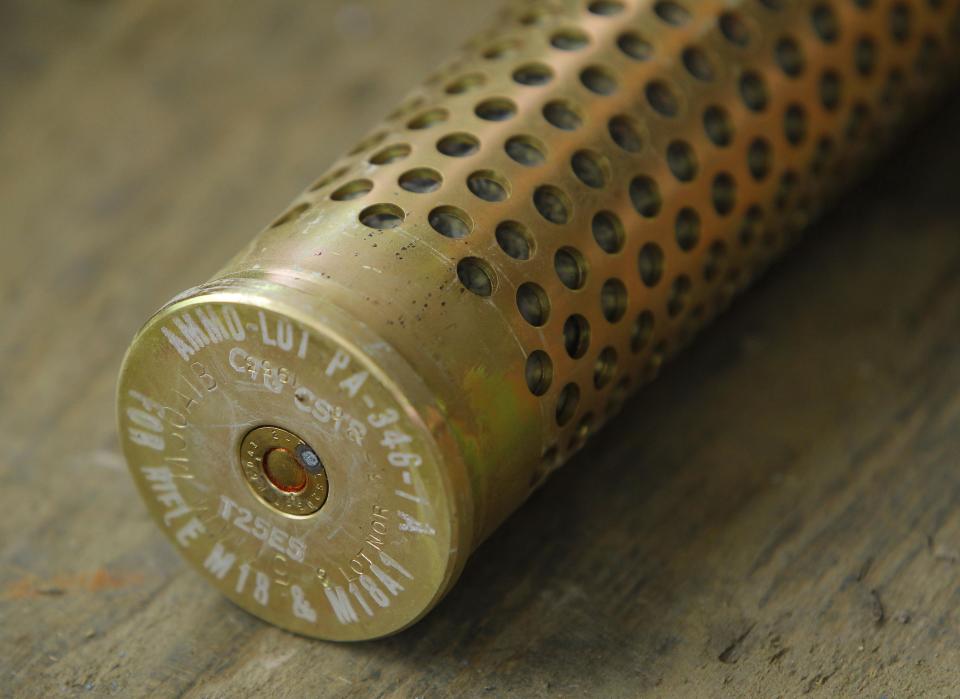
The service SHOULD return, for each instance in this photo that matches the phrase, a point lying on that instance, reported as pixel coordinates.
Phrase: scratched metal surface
(775, 515)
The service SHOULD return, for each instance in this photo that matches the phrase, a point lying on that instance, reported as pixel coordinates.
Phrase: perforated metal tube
(334, 422)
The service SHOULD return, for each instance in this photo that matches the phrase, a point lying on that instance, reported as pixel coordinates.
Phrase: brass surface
(450, 312)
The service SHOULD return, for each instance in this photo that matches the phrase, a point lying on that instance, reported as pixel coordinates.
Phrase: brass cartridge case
(330, 426)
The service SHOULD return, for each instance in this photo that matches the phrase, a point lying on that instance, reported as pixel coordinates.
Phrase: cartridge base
(371, 538)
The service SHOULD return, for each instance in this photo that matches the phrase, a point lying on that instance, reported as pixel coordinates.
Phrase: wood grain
(775, 516)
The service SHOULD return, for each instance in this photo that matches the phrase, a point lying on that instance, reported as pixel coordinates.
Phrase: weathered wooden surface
(779, 514)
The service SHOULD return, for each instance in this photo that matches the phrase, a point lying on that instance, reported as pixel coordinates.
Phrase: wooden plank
(775, 515)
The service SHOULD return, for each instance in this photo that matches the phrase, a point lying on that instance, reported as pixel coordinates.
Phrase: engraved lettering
(392, 585)
(191, 331)
(409, 524)
(264, 332)
(232, 319)
(358, 595)
(212, 325)
(340, 603)
(190, 531)
(183, 349)
(219, 561)
(353, 384)
(301, 607)
(167, 494)
(340, 360)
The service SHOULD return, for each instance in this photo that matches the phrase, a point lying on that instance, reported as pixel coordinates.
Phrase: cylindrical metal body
(333, 423)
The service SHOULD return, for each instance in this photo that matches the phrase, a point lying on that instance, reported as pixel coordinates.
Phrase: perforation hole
(753, 91)
(900, 22)
(677, 296)
(476, 276)
(390, 154)
(581, 433)
(607, 231)
(604, 368)
(613, 300)
(734, 29)
(576, 336)
(533, 74)
(652, 366)
(549, 460)
(751, 226)
(856, 124)
(533, 304)
(785, 190)
(865, 56)
(328, 179)
(552, 204)
(502, 49)
(352, 190)
(697, 63)
(718, 126)
(681, 160)
(538, 372)
(789, 56)
(617, 395)
(634, 46)
(534, 18)
(650, 264)
(450, 222)
(758, 158)
(570, 268)
(488, 185)
(825, 23)
(892, 88)
(465, 83)
(525, 150)
(605, 8)
(598, 80)
(567, 403)
(821, 155)
(625, 133)
(407, 108)
(428, 119)
(645, 196)
(515, 240)
(382, 216)
(439, 75)
(290, 215)
(716, 258)
(672, 12)
(421, 180)
(641, 332)
(687, 228)
(562, 114)
(795, 124)
(591, 168)
(569, 39)
(368, 143)
(496, 109)
(661, 98)
(723, 193)
(830, 90)
(458, 145)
